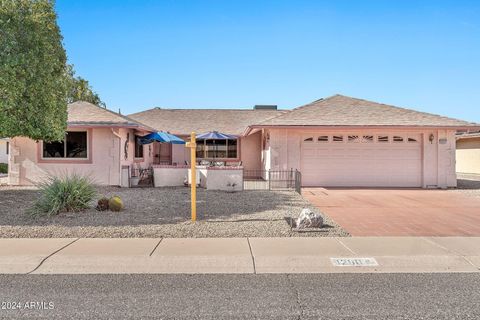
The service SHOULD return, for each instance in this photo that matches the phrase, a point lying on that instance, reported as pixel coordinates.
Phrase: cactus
(115, 203)
(102, 204)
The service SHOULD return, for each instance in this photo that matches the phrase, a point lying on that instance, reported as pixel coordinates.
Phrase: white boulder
(309, 219)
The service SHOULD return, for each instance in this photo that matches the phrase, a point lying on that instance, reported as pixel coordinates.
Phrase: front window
(216, 149)
(74, 146)
(138, 148)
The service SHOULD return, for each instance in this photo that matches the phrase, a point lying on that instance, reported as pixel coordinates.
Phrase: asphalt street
(305, 296)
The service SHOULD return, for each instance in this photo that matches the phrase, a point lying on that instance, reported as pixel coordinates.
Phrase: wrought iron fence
(272, 180)
(141, 177)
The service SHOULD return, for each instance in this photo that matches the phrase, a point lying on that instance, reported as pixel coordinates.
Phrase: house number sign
(354, 262)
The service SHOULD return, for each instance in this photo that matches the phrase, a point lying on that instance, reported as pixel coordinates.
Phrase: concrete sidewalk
(240, 255)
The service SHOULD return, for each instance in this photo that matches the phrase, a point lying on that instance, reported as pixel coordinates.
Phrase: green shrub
(3, 168)
(71, 193)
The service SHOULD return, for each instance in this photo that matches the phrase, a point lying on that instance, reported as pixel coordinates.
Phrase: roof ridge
(382, 104)
(407, 109)
(355, 107)
(300, 107)
(114, 113)
(306, 105)
(204, 109)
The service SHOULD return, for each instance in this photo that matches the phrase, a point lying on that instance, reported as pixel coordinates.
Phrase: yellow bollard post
(193, 171)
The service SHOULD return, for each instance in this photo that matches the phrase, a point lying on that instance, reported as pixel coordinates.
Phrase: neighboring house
(98, 143)
(338, 141)
(468, 153)
(4, 150)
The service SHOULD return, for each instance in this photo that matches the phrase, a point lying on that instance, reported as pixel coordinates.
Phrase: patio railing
(272, 180)
(141, 177)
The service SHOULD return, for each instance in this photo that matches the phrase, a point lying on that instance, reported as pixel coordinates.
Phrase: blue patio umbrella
(216, 136)
(161, 136)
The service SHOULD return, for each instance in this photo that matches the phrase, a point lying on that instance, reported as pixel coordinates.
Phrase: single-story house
(98, 143)
(337, 141)
(468, 153)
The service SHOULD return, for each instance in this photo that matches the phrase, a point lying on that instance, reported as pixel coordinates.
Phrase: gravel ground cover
(468, 185)
(164, 212)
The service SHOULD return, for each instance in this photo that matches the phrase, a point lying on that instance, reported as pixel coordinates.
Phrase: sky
(423, 55)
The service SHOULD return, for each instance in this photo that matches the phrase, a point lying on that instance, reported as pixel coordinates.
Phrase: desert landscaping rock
(309, 219)
(164, 212)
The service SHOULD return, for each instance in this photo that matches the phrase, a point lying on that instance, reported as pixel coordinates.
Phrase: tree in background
(80, 90)
(34, 79)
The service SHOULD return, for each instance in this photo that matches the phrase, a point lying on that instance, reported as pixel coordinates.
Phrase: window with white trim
(74, 146)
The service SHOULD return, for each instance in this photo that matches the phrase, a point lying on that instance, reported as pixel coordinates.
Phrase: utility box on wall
(125, 177)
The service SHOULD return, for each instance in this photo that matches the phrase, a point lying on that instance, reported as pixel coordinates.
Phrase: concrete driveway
(400, 212)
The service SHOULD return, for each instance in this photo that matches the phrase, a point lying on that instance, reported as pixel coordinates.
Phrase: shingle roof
(85, 113)
(184, 121)
(340, 110)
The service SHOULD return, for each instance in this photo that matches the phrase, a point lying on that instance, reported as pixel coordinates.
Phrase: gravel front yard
(469, 185)
(164, 212)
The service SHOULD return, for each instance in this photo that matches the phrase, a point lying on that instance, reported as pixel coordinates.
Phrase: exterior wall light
(431, 138)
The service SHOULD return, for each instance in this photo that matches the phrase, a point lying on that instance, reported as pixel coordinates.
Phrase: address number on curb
(354, 262)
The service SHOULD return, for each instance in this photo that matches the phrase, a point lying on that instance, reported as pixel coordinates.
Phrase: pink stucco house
(337, 141)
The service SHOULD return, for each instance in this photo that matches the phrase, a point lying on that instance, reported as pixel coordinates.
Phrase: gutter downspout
(119, 156)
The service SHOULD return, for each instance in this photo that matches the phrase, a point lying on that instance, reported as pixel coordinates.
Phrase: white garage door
(361, 160)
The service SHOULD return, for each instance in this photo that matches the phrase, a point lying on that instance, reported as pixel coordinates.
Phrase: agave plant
(70, 193)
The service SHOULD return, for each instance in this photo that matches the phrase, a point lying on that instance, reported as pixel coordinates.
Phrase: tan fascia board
(250, 128)
(461, 137)
(105, 125)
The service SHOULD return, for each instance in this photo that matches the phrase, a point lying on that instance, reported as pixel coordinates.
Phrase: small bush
(3, 168)
(66, 194)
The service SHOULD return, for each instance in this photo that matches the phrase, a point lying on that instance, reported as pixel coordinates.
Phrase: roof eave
(108, 125)
(462, 137)
(459, 127)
